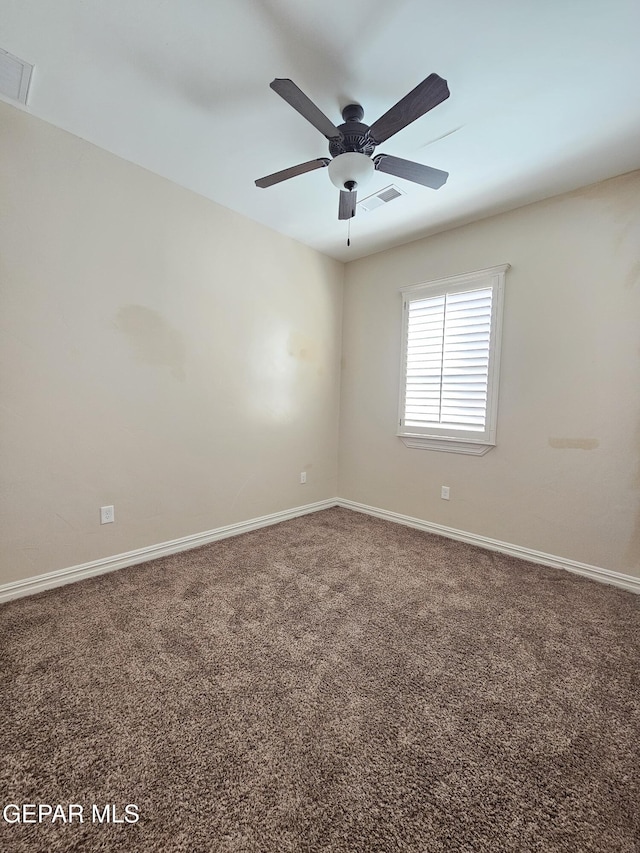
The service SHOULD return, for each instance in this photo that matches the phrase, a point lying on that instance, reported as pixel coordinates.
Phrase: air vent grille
(389, 194)
(15, 76)
(383, 196)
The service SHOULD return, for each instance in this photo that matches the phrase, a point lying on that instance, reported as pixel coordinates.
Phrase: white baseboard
(38, 583)
(628, 582)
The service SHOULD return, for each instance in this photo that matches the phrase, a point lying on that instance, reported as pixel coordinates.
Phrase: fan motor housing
(355, 135)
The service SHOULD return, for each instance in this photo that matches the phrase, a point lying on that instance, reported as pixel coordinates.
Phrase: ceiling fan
(352, 143)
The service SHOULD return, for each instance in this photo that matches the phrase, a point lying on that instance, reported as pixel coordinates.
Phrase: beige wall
(159, 353)
(565, 476)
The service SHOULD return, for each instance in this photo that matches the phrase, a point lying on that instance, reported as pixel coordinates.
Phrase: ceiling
(544, 98)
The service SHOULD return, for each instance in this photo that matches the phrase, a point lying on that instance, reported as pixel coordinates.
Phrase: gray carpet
(334, 683)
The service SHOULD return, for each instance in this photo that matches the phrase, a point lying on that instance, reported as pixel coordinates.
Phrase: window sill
(447, 445)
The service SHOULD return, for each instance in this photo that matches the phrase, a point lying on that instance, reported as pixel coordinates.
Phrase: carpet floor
(332, 684)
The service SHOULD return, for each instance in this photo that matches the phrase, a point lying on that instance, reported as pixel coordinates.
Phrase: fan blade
(411, 171)
(292, 172)
(296, 98)
(419, 101)
(347, 206)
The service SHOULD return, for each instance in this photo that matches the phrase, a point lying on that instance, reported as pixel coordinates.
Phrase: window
(451, 362)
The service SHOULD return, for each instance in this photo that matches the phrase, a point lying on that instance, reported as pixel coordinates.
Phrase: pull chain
(349, 231)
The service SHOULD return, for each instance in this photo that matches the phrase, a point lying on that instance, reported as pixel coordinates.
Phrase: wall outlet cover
(107, 515)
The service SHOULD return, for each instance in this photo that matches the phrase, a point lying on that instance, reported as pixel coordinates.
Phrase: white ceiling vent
(15, 76)
(383, 196)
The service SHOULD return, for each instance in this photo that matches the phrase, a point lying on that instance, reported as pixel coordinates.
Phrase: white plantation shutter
(451, 339)
(448, 341)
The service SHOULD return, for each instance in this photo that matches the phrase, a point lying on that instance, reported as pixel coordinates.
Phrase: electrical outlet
(107, 515)
(444, 493)
(303, 476)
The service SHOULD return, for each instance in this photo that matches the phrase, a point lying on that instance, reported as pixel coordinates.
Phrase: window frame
(448, 439)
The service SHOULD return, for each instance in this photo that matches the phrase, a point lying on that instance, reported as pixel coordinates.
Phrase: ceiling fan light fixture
(350, 170)
(351, 145)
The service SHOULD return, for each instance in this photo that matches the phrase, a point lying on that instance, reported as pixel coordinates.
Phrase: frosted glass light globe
(350, 166)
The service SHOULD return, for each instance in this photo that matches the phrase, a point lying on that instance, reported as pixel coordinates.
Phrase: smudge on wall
(154, 341)
(574, 443)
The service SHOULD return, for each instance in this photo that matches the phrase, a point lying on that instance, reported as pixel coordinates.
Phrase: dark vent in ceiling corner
(15, 76)
(383, 196)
